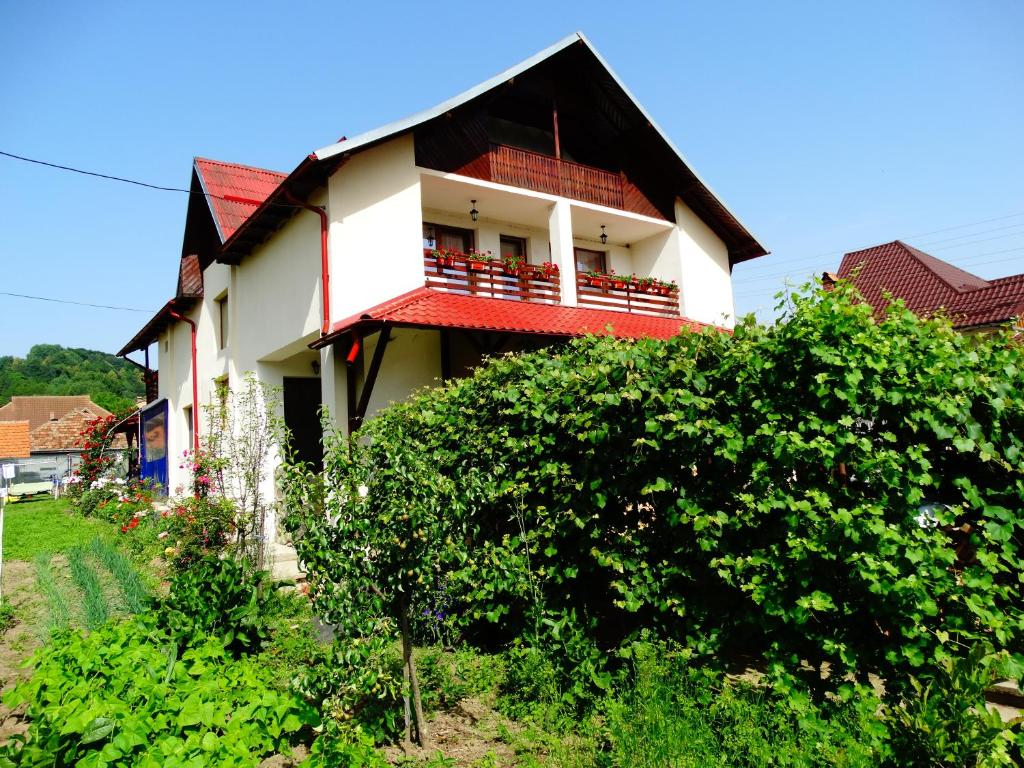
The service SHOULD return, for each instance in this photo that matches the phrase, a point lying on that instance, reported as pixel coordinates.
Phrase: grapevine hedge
(829, 490)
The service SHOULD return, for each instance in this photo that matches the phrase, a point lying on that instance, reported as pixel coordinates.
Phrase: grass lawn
(45, 525)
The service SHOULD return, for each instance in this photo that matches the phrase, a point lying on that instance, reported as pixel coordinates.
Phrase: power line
(124, 180)
(77, 303)
(769, 264)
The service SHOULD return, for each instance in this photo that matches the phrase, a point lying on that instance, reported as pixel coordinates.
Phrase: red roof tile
(235, 191)
(429, 308)
(927, 284)
(14, 442)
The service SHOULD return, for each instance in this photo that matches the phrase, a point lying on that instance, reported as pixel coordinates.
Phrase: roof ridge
(923, 258)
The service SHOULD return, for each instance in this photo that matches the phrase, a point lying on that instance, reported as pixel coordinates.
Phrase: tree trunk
(409, 669)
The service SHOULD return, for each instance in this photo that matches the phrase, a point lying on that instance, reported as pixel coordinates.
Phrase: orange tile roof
(14, 441)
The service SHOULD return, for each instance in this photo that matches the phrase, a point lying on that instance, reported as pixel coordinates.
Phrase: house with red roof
(928, 285)
(540, 205)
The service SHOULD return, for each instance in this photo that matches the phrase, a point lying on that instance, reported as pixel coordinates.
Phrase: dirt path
(18, 643)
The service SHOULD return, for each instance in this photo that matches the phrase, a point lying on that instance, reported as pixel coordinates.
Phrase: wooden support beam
(371, 375)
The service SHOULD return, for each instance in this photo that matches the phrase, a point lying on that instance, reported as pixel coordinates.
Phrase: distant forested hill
(50, 369)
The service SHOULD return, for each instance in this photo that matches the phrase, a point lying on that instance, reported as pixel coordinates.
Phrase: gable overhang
(156, 325)
(317, 167)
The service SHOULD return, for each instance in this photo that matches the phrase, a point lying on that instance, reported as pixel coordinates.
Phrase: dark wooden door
(302, 417)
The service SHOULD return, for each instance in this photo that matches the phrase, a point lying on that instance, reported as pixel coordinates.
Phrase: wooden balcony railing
(604, 294)
(530, 170)
(489, 278)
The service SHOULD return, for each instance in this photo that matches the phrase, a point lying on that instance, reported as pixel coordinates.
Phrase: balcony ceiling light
(604, 236)
(474, 214)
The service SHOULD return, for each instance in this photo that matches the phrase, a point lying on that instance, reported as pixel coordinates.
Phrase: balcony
(462, 273)
(459, 273)
(522, 168)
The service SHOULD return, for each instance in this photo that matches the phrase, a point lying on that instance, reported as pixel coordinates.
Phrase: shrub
(198, 527)
(217, 596)
(450, 676)
(943, 721)
(121, 696)
(754, 495)
(357, 683)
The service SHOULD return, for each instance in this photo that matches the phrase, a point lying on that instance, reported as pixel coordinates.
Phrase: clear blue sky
(824, 126)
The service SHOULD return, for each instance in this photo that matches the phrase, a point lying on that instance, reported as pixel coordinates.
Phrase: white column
(332, 385)
(560, 232)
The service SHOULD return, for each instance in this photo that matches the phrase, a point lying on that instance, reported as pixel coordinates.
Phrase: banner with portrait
(153, 445)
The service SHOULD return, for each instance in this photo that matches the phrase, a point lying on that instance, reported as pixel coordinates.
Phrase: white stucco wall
(705, 287)
(412, 360)
(376, 233)
(276, 293)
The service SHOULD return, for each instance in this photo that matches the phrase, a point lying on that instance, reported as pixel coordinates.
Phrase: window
(591, 261)
(447, 238)
(513, 247)
(190, 427)
(222, 321)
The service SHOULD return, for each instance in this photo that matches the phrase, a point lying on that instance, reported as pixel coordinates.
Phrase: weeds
(95, 608)
(59, 615)
(135, 595)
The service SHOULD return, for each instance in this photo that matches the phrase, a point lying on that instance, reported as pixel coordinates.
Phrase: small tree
(373, 535)
(243, 426)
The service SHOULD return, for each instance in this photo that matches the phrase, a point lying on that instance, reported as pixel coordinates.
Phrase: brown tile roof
(927, 284)
(39, 409)
(14, 442)
(65, 434)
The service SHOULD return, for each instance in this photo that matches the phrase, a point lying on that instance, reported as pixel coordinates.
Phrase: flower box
(476, 266)
(529, 271)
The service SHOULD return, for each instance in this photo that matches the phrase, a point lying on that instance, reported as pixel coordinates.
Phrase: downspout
(195, 382)
(325, 270)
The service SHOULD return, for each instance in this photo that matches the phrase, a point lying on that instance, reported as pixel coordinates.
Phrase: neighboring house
(55, 424)
(927, 284)
(307, 278)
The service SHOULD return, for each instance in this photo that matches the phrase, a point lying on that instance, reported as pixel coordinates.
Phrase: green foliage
(121, 696)
(218, 596)
(357, 683)
(751, 495)
(44, 526)
(95, 608)
(450, 676)
(135, 596)
(49, 369)
(59, 615)
(943, 722)
(344, 747)
(199, 527)
(8, 617)
(670, 714)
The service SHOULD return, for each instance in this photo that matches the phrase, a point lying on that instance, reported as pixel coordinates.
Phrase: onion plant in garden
(829, 497)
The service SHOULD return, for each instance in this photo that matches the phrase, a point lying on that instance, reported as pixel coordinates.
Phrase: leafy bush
(357, 684)
(8, 618)
(753, 495)
(121, 696)
(198, 527)
(217, 596)
(943, 721)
